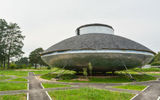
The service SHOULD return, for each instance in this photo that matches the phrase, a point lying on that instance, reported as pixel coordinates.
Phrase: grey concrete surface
(151, 93)
(13, 92)
(35, 89)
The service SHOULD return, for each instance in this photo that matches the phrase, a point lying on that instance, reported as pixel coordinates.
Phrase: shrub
(48, 67)
(49, 76)
(68, 76)
(85, 72)
(155, 63)
(19, 66)
(13, 66)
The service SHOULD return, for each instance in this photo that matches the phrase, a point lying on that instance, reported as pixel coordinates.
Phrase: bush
(13, 66)
(48, 67)
(29, 66)
(156, 63)
(49, 76)
(68, 76)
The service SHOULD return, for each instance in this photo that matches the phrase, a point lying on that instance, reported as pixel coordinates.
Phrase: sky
(47, 22)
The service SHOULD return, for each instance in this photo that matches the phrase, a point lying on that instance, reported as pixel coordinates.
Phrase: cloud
(46, 22)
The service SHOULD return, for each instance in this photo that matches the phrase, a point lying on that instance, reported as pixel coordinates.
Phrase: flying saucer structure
(97, 44)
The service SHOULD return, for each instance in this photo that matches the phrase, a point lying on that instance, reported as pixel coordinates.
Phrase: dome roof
(97, 42)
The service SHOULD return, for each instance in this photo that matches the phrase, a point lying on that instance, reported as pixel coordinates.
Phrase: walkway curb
(140, 92)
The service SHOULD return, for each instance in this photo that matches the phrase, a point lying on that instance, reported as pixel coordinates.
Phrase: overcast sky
(46, 22)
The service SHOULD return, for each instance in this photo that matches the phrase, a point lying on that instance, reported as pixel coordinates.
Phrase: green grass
(146, 69)
(13, 97)
(55, 70)
(48, 76)
(42, 72)
(131, 87)
(5, 86)
(119, 79)
(16, 73)
(88, 94)
(4, 77)
(52, 85)
(19, 79)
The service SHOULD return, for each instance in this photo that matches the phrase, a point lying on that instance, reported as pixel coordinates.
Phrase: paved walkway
(35, 89)
(151, 93)
(11, 77)
(13, 92)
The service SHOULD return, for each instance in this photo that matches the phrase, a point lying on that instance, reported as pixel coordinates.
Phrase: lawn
(146, 69)
(6, 86)
(131, 87)
(4, 77)
(120, 79)
(42, 72)
(88, 94)
(16, 73)
(13, 97)
(52, 85)
(53, 70)
(19, 79)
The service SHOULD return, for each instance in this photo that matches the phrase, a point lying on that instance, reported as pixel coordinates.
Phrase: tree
(3, 28)
(10, 41)
(156, 60)
(13, 40)
(157, 57)
(22, 61)
(35, 57)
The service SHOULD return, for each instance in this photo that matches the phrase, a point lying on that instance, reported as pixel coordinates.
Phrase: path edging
(140, 92)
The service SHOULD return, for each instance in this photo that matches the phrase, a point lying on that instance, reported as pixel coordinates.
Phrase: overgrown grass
(119, 79)
(131, 87)
(5, 86)
(154, 74)
(52, 85)
(42, 72)
(89, 94)
(146, 69)
(48, 76)
(13, 97)
(4, 77)
(19, 79)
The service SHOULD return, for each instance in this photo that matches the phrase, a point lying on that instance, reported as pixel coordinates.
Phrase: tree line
(34, 60)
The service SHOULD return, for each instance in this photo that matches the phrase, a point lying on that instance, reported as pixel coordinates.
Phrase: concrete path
(13, 92)
(37, 92)
(11, 77)
(151, 93)
(35, 89)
